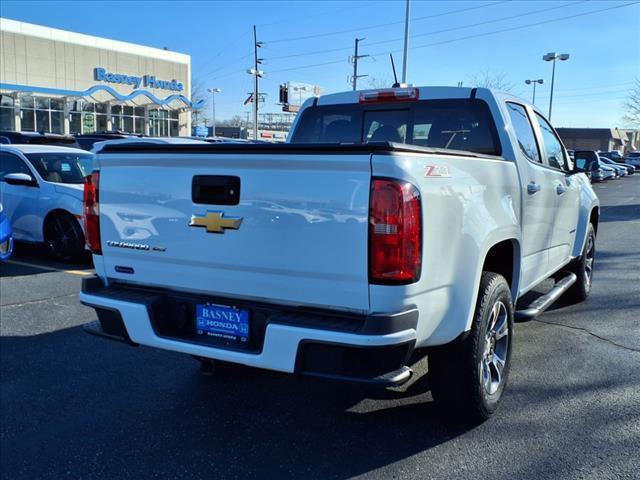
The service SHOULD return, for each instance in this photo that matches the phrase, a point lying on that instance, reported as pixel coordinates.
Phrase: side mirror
(20, 179)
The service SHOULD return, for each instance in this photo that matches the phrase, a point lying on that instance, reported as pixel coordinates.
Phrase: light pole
(213, 92)
(552, 57)
(300, 89)
(529, 82)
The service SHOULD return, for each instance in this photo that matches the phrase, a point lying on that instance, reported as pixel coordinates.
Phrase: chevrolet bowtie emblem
(214, 222)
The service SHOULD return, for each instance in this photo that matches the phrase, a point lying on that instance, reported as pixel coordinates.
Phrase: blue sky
(309, 41)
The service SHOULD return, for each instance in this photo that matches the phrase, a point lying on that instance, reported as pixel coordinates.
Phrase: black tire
(463, 381)
(583, 267)
(64, 237)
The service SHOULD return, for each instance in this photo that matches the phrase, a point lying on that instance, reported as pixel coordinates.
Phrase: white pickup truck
(393, 223)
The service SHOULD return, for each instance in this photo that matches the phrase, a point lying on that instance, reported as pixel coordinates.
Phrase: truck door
(567, 195)
(538, 199)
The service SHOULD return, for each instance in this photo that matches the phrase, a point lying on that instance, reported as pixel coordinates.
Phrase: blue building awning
(105, 93)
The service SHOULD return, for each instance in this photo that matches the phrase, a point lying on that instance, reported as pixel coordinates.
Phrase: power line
(594, 87)
(568, 17)
(471, 25)
(380, 25)
(370, 44)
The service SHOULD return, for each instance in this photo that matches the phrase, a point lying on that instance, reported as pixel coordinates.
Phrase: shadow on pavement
(71, 405)
(31, 259)
(618, 213)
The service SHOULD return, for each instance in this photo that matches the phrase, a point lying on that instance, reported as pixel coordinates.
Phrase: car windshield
(464, 124)
(62, 167)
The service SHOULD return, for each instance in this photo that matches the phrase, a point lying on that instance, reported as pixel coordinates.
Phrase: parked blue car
(6, 236)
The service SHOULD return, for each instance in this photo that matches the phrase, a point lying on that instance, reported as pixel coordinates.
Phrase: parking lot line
(50, 269)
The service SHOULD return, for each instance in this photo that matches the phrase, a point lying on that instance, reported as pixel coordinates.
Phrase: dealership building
(63, 82)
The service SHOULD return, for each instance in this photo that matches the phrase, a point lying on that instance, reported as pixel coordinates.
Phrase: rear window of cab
(457, 124)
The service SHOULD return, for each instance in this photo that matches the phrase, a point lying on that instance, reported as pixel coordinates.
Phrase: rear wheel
(468, 378)
(583, 268)
(64, 237)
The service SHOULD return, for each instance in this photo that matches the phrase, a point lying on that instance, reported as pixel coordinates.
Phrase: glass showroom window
(127, 119)
(174, 124)
(88, 117)
(6, 112)
(40, 114)
(158, 123)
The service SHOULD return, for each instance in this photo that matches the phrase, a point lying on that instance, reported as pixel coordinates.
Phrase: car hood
(73, 189)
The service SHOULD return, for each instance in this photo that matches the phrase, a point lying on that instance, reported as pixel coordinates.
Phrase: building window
(174, 123)
(7, 116)
(88, 117)
(127, 119)
(163, 123)
(41, 114)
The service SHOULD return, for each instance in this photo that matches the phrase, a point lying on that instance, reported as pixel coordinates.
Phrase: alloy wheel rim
(64, 237)
(494, 357)
(589, 261)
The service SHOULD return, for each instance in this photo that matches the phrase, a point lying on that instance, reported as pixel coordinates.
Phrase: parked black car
(39, 138)
(87, 140)
(614, 155)
(588, 162)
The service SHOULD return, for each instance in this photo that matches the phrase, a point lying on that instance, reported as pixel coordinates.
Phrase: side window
(9, 163)
(553, 146)
(524, 132)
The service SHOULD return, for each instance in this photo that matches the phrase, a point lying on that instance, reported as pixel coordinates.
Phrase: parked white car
(41, 190)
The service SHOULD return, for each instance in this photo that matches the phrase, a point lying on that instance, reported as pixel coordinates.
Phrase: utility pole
(406, 45)
(356, 57)
(256, 74)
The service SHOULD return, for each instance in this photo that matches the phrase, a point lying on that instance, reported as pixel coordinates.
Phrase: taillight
(395, 232)
(92, 212)
(393, 95)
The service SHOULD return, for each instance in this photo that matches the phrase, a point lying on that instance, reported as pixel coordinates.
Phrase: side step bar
(545, 301)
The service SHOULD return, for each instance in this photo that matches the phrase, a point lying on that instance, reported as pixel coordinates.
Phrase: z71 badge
(436, 171)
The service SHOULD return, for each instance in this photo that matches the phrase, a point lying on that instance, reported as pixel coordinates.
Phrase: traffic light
(284, 94)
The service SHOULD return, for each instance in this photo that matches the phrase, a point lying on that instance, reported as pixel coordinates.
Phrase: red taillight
(393, 95)
(92, 212)
(395, 232)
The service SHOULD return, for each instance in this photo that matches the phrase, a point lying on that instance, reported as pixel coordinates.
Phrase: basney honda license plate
(228, 323)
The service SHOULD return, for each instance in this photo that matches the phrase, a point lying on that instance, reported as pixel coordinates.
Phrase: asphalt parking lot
(75, 406)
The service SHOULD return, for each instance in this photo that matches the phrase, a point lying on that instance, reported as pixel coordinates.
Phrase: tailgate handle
(215, 189)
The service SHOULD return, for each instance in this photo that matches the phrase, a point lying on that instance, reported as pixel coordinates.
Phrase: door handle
(533, 187)
(560, 189)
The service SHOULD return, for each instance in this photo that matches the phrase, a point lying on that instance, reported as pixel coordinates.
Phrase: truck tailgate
(301, 219)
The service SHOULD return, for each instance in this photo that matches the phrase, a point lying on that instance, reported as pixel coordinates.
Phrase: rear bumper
(364, 348)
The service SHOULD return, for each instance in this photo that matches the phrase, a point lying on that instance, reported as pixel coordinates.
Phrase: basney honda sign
(149, 81)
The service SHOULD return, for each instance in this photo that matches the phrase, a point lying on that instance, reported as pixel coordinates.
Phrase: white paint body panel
(300, 242)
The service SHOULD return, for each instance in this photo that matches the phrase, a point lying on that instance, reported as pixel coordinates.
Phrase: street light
(213, 92)
(300, 89)
(552, 57)
(529, 82)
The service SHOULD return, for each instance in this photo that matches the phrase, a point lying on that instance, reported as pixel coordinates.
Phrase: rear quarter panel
(464, 214)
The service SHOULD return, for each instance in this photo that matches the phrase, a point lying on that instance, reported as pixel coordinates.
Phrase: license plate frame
(224, 323)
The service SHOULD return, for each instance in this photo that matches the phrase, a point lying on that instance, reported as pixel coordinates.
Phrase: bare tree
(488, 79)
(235, 121)
(632, 106)
(379, 82)
(198, 93)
